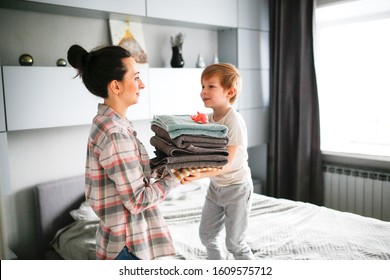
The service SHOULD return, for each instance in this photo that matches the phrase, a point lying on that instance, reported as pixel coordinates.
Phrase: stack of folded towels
(184, 146)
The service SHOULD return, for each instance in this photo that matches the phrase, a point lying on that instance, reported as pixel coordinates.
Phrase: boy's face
(213, 94)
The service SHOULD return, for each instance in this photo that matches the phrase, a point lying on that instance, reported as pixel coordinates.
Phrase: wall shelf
(44, 97)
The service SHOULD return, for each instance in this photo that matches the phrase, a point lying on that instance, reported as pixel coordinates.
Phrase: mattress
(279, 229)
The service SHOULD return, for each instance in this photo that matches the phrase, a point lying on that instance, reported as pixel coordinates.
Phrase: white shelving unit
(175, 91)
(210, 12)
(243, 39)
(133, 7)
(43, 97)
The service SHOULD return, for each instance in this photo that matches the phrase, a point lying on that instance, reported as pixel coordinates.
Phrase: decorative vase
(200, 63)
(177, 60)
(216, 60)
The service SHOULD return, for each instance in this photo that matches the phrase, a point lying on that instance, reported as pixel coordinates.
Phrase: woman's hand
(190, 178)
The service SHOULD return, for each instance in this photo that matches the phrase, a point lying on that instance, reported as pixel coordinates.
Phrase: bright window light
(353, 74)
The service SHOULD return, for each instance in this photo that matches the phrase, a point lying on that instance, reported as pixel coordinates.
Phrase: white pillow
(84, 212)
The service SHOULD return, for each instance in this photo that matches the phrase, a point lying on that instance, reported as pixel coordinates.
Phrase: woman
(118, 177)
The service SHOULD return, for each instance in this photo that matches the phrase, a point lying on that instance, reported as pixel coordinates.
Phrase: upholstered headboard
(54, 201)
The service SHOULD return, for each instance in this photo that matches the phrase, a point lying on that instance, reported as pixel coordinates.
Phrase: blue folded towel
(177, 125)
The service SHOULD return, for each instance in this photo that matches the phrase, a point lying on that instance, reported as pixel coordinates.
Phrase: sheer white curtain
(353, 66)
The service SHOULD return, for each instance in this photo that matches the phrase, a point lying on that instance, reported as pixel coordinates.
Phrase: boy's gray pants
(227, 207)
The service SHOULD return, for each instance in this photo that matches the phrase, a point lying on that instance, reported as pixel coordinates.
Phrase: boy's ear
(232, 92)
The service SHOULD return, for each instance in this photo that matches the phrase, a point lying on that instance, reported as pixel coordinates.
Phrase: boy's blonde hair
(228, 76)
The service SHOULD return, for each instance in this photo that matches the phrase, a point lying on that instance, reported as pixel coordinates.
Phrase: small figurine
(200, 118)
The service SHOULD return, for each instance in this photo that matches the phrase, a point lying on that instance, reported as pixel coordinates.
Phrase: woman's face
(132, 83)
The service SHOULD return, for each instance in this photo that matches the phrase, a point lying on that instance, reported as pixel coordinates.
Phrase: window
(353, 74)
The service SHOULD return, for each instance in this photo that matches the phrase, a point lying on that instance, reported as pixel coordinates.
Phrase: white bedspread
(279, 229)
(284, 229)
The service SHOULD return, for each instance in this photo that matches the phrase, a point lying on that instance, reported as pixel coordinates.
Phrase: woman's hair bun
(76, 56)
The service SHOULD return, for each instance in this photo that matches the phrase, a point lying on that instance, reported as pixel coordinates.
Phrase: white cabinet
(175, 91)
(255, 89)
(228, 46)
(2, 112)
(210, 12)
(247, 49)
(133, 7)
(264, 50)
(257, 124)
(249, 14)
(253, 49)
(253, 104)
(5, 185)
(41, 97)
(253, 14)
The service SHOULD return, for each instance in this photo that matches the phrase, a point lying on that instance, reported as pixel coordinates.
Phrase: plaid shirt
(119, 190)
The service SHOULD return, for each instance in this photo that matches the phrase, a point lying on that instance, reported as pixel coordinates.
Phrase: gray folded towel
(171, 150)
(185, 141)
(166, 163)
(213, 160)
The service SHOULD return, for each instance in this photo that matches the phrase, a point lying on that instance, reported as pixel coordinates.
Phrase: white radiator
(357, 191)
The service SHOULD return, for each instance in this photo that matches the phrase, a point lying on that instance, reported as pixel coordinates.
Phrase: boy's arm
(199, 175)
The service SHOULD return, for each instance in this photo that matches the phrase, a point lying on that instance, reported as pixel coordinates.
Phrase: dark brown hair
(98, 67)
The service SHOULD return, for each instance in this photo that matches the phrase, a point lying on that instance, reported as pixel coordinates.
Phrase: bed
(280, 229)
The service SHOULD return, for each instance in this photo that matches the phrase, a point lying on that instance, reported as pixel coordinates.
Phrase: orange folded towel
(184, 172)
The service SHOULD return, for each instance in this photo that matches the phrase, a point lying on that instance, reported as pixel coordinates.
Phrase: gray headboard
(54, 200)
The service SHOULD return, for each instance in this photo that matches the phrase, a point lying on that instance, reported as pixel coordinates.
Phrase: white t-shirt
(238, 136)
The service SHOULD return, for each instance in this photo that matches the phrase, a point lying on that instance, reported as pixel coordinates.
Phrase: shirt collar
(108, 111)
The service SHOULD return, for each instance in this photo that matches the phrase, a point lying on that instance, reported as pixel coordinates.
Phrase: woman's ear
(115, 87)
